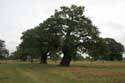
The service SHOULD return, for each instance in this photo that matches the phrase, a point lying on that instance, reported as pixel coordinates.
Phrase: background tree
(33, 44)
(40, 41)
(3, 51)
(116, 49)
(98, 50)
(27, 47)
(106, 49)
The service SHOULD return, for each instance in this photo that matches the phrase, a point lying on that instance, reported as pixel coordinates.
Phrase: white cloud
(108, 16)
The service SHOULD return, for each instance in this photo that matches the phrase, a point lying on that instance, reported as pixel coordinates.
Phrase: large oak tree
(75, 30)
(68, 31)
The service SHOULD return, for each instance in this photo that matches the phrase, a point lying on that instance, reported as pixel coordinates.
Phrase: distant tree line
(3, 51)
(70, 33)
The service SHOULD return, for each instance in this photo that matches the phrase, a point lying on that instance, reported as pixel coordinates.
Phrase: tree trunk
(31, 60)
(66, 59)
(43, 59)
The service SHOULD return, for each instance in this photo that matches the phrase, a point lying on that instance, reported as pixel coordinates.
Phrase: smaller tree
(116, 49)
(98, 49)
(105, 49)
(3, 51)
(19, 54)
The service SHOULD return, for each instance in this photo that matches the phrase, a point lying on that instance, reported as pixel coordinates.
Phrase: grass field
(78, 72)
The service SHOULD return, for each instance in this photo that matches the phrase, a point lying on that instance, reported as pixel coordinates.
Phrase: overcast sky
(17, 16)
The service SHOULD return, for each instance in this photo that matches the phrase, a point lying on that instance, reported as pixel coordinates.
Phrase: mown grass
(78, 72)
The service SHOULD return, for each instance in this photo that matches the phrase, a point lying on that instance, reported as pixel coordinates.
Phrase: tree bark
(66, 59)
(43, 58)
(31, 60)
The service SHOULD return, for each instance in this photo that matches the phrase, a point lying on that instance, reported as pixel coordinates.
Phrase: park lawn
(78, 72)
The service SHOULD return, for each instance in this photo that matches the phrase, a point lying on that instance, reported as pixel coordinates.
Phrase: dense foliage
(3, 51)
